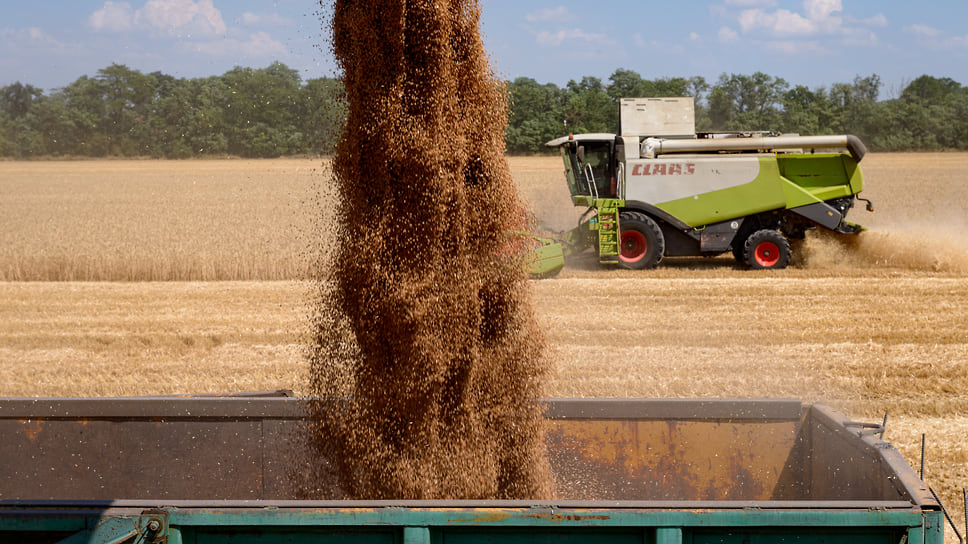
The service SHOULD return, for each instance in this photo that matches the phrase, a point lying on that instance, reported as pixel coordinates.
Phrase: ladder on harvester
(608, 231)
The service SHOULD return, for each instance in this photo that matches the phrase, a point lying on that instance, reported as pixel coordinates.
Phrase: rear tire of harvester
(766, 249)
(642, 244)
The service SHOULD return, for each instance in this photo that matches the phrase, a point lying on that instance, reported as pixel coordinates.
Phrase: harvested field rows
(881, 327)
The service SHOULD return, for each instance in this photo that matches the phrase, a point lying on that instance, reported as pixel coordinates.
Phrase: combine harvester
(659, 189)
(196, 470)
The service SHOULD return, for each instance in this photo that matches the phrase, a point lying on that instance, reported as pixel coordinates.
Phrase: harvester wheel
(642, 243)
(766, 249)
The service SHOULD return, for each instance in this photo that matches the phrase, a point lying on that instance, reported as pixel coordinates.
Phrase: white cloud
(556, 14)
(727, 35)
(959, 41)
(751, 3)
(200, 18)
(554, 39)
(780, 22)
(822, 11)
(259, 44)
(657, 46)
(801, 47)
(878, 20)
(694, 37)
(28, 48)
(264, 19)
(932, 38)
(818, 17)
(36, 34)
(191, 17)
(112, 17)
(866, 38)
(797, 31)
(32, 37)
(923, 31)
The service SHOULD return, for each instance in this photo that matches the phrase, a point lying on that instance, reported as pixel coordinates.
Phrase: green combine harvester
(660, 189)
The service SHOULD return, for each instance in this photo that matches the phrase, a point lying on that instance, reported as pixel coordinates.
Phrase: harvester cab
(660, 189)
(594, 160)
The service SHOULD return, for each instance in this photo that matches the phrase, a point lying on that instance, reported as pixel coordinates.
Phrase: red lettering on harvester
(664, 169)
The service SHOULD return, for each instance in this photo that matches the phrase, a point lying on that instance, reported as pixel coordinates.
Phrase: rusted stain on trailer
(566, 517)
(32, 428)
(670, 460)
(483, 516)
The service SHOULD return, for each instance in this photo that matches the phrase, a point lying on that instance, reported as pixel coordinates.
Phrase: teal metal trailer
(200, 470)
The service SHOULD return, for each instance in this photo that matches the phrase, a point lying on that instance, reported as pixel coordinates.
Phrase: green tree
(189, 120)
(629, 84)
(84, 99)
(5, 149)
(741, 102)
(128, 96)
(269, 112)
(588, 108)
(930, 90)
(626, 84)
(55, 125)
(536, 115)
(16, 99)
(854, 108)
(321, 114)
(18, 135)
(258, 104)
(958, 119)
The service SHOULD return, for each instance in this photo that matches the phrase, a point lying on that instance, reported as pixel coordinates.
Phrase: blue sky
(810, 42)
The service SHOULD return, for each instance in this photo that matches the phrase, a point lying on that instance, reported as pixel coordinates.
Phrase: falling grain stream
(423, 324)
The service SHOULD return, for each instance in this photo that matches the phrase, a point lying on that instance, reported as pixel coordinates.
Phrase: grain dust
(425, 347)
(908, 248)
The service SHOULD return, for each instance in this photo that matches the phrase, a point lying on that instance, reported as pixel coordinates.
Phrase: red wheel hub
(634, 246)
(767, 254)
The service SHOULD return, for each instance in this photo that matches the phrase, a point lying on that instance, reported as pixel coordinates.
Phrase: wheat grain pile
(423, 324)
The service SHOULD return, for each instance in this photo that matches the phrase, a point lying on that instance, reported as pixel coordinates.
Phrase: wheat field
(878, 326)
(116, 220)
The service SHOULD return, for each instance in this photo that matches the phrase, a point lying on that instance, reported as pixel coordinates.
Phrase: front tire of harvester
(766, 249)
(642, 243)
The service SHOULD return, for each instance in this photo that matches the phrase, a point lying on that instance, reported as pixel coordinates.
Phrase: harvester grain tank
(659, 188)
(236, 469)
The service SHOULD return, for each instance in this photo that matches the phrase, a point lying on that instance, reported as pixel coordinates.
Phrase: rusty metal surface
(134, 505)
(670, 459)
(154, 408)
(844, 450)
(691, 453)
(677, 409)
(261, 405)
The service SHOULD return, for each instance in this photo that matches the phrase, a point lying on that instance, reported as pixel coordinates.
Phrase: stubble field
(879, 326)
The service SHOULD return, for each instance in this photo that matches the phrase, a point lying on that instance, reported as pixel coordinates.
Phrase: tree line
(272, 112)
(268, 112)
